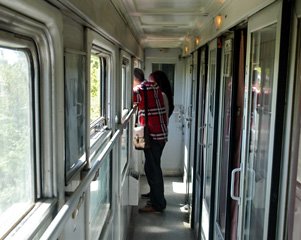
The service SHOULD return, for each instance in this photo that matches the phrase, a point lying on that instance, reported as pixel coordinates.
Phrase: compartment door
(225, 125)
(259, 124)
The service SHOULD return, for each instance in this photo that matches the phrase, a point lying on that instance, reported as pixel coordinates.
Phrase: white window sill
(35, 222)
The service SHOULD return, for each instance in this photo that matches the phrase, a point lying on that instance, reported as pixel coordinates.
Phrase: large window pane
(75, 106)
(225, 137)
(262, 69)
(16, 137)
(100, 198)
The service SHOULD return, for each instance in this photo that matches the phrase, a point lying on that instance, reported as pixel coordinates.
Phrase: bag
(141, 133)
(141, 138)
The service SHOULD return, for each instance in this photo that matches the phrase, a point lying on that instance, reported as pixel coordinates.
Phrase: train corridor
(173, 223)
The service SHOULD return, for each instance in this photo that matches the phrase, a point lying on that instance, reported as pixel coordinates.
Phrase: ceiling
(167, 23)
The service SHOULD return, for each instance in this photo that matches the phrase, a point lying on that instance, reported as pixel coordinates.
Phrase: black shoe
(145, 196)
(148, 208)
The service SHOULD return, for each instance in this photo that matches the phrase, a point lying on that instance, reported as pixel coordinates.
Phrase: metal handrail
(58, 223)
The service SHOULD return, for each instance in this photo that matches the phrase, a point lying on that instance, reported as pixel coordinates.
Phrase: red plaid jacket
(157, 120)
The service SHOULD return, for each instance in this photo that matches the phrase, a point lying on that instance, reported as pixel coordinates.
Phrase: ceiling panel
(161, 20)
(166, 23)
(146, 5)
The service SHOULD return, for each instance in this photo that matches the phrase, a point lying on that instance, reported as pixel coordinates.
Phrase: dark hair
(139, 74)
(162, 80)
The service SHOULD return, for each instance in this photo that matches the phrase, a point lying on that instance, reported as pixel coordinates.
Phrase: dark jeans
(153, 172)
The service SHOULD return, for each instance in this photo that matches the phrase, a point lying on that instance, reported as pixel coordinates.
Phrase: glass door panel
(208, 144)
(210, 122)
(198, 168)
(224, 133)
(262, 60)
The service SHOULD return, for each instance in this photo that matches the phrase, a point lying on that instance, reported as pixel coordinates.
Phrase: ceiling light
(218, 21)
(186, 49)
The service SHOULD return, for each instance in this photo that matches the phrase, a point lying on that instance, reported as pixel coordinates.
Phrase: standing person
(162, 80)
(157, 124)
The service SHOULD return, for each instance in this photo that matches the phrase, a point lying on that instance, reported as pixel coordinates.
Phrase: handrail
(128, 117)
(58, 223)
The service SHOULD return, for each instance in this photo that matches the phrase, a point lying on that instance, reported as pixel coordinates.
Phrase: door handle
(236, 198)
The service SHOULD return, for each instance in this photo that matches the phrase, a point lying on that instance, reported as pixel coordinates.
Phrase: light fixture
(218, 21)
(186, 49)
(197, 40)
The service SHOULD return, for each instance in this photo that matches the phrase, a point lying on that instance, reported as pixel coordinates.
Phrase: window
(126, 95)
(75, 106)
(17, 137)
(100, 195)
(125, 83)
(100, 65)
(98, 90)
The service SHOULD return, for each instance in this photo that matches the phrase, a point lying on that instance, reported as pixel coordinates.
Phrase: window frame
(104, 124)
(12, 42)
(98, 126)
(125, 106)
(126, 82)
(48, 132)
(97, 142)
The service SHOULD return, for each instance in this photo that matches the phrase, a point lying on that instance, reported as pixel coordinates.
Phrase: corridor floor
(171, 224)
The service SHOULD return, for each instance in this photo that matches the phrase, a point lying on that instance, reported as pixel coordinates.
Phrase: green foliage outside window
(16, 133)
(95, 91)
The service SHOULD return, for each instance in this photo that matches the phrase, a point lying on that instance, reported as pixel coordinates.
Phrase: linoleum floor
(171, 224)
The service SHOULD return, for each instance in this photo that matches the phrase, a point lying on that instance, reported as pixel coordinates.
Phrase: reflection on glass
(262, 68)
(225, 139)
(208, 142)
(210, 123)
(16, 137)
(100, 198)
(75, 111)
